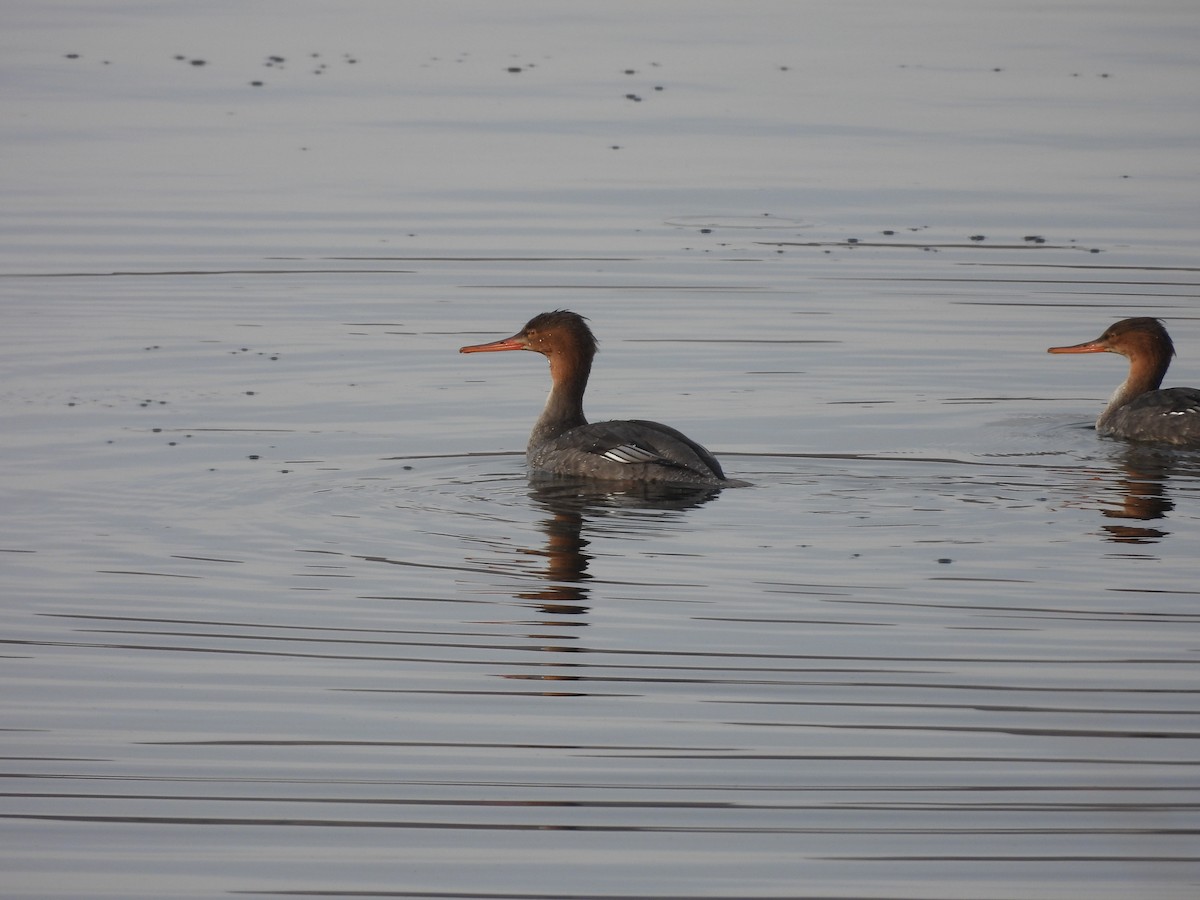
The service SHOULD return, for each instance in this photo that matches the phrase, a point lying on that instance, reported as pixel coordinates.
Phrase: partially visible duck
(563, 442)
(1139, 410)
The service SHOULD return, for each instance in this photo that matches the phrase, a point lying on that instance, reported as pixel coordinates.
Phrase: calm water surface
(285, 615)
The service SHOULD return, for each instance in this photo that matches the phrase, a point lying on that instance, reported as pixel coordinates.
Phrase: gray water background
(283, 614)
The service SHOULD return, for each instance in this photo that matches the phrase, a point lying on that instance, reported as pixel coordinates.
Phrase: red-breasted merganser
(1139, 411)
(563, 442)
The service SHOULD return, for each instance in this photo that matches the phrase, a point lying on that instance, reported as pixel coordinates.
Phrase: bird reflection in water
(570, 504)
(1142, 488)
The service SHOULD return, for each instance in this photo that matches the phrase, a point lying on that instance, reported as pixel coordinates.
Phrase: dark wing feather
(1170, 416)
(634, 449)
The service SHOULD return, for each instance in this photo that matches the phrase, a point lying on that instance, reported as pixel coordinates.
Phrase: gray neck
(564, 407)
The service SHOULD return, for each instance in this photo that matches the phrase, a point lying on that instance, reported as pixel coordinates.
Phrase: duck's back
(1169, 416)
(624, 450)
